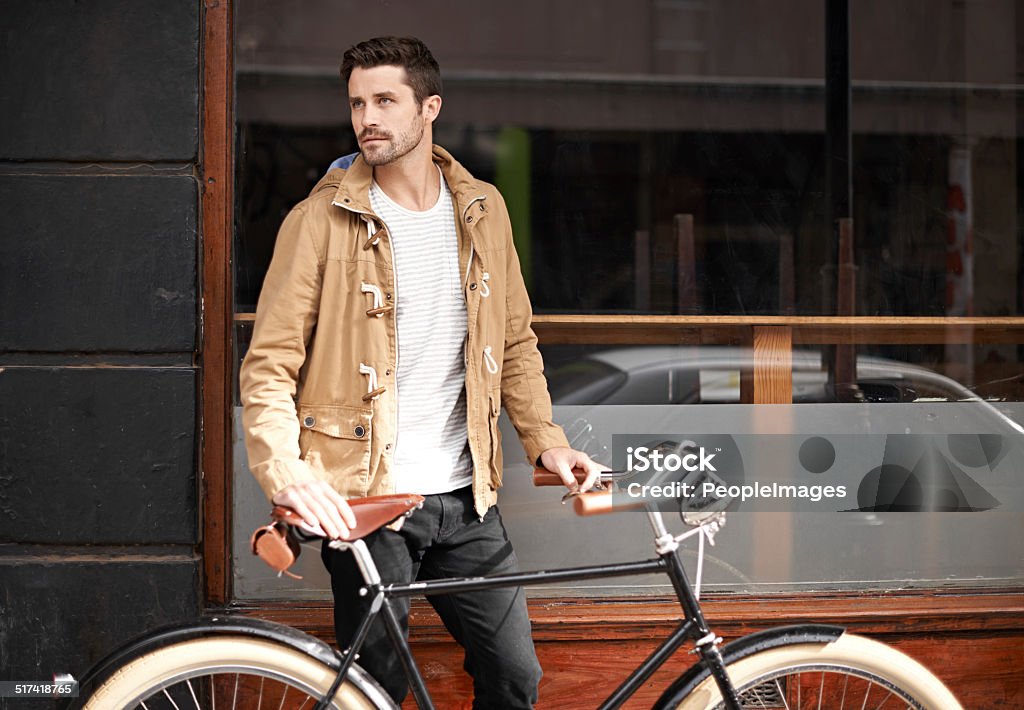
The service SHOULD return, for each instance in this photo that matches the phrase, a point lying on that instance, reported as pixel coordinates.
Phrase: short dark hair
(421, 69)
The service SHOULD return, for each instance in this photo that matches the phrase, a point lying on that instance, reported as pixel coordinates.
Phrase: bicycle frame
(693, 627)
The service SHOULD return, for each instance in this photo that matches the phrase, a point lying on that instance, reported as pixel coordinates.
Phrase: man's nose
(370, 116)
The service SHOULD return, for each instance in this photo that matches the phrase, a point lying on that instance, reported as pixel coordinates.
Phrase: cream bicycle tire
(870, 672)
(154, 673)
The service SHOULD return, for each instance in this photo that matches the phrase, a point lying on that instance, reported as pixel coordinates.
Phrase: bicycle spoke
(846, 681)
(192, 691)
(866, 694)
(821, 690)
(778, 686)
(279, 707)
(168, 696)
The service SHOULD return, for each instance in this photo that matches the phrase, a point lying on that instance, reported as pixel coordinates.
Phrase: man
(392, 326)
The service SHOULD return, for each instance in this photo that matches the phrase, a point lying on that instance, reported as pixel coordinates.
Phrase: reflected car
(711, 375)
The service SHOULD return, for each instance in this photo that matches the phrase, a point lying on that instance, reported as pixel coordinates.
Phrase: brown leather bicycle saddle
(371, 513)
(277, 545)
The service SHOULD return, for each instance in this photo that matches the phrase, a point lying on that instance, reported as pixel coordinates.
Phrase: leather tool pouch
(277, 545)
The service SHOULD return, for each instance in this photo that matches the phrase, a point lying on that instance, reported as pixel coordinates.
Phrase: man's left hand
(562, 460)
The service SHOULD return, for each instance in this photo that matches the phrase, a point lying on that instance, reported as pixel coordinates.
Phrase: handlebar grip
(600, 502)
(594, 503)
(543, 477)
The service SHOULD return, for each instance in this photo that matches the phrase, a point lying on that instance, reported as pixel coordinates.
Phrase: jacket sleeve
(285, 317)
(524, 390)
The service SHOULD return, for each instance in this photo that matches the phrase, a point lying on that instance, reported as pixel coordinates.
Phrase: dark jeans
(445, 539)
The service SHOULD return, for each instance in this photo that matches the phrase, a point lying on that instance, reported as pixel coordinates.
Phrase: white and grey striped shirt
(431, 452)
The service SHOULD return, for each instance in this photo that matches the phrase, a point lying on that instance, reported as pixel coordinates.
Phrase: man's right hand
(318, 504)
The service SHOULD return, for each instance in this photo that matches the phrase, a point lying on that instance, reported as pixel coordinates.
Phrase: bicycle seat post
(363, 559)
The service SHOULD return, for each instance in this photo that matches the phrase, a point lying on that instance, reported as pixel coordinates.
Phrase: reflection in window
(671, 160)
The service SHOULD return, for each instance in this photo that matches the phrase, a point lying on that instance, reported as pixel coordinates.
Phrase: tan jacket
(318, 382)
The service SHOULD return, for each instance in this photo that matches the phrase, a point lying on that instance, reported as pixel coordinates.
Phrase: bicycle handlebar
(589, 502)
(544, 477)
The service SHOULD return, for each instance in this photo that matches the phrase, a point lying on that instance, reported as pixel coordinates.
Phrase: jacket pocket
(493, 414)
(335, 442)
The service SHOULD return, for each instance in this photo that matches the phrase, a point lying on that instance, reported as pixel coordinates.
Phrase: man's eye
(357, 104)
(385, 100)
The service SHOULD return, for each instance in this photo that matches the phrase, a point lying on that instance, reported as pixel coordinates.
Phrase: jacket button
(388, 371)
(469, 218)
(388, 297)
(472, 286)
(387, 447)
(309, 421)
(482, 208)
(359, 431)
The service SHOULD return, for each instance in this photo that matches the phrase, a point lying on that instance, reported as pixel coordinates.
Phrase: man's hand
(562, 460)
(318, 504)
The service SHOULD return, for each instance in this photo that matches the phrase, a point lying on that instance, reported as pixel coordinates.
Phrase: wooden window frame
(959, 614)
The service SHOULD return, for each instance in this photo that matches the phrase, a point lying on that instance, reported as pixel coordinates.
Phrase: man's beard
(394, 147)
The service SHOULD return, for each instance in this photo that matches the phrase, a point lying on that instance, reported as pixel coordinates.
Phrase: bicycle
(221, 659)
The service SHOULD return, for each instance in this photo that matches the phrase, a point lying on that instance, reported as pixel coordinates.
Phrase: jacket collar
(353, 190)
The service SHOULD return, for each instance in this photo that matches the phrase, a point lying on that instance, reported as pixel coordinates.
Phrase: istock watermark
(819, 473)
(643, 458)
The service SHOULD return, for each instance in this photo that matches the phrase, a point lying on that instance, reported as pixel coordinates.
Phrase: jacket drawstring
(372, 390)
(379, 309)
(492, 366)
(485, 290)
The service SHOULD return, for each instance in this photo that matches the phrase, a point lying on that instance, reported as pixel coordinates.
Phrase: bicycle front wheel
(851, 672)
(230, 672)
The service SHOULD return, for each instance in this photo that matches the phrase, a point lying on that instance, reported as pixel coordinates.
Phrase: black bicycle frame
(691, 628)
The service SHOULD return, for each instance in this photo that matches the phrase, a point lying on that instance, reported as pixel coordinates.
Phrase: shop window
(680, 171)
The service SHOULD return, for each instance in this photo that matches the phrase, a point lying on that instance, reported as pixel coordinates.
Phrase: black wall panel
(63, 613)
(98, 263)
(98, 455)
(99, 80)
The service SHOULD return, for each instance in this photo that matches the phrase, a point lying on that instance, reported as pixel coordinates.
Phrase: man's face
(387, 120)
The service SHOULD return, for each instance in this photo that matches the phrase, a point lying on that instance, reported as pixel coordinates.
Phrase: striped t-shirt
(431, 453)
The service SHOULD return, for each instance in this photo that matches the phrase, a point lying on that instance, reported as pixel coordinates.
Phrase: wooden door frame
(216, 175)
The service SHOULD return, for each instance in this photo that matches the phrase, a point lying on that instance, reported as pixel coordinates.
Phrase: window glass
(669, 158)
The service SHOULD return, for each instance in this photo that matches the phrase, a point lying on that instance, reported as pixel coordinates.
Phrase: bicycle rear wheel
(851, 672)
(221, 672)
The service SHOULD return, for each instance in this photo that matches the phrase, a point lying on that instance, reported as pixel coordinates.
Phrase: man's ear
(431, 108)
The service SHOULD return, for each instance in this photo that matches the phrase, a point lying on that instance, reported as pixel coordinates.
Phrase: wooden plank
(807, 330)
(686, 264)
(846, 298)
(576, 618)
(773, 365)
(642, 270)
(216, 352)
(587, 646)
(733, 330)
